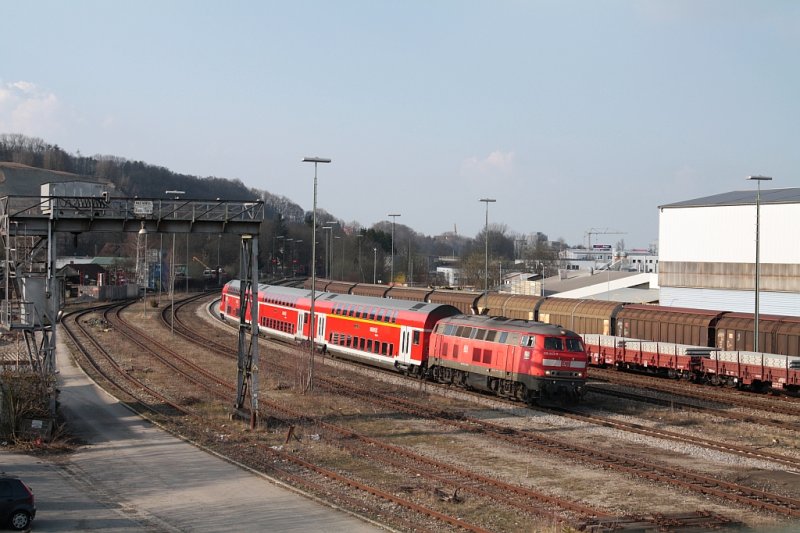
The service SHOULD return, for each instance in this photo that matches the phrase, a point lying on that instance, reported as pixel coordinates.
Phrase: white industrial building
(707, 252)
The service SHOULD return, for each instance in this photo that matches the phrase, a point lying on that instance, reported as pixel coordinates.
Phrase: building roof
(748, 197)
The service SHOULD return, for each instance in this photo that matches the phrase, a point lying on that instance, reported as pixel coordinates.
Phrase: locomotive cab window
(553, 343)
(574, 345)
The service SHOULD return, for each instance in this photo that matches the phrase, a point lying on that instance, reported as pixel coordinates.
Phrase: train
(722, 330)
(702, 345)
(512, 358)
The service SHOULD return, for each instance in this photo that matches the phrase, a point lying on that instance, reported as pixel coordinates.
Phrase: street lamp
(294, 254)
(287, 251)
(328, 251)
(487, 201)
(341, 268)
(274, 256)
(394, 218)
(329, 245)
(758, 180)
(374, 264)
(316, 161)
(176, 194)
(359, 237)
(143, 231)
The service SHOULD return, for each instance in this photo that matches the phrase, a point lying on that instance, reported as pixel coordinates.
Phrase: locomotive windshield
(553, 343)
(574, 345)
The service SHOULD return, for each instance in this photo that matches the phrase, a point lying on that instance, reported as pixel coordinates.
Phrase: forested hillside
(345, 250)
(33, 161)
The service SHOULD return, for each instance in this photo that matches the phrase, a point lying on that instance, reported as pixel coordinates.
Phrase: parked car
(17, 508)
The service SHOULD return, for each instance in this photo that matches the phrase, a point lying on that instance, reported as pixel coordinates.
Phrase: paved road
(134, 477)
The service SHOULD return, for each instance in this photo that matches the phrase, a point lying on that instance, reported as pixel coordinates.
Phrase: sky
(573, 115)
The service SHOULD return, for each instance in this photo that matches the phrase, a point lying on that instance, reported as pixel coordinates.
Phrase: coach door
(301, 321)
(320, 338)
(404, 355)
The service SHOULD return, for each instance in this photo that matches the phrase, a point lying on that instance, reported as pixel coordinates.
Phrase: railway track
(142, 395)
(678, 477)
(459, 479)
(737, 449)
(784, 405)
(675, 402)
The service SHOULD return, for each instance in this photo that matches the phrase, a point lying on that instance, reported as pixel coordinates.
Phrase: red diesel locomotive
(511, 358)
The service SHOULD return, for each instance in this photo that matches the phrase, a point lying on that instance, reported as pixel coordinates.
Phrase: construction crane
(208, 272)
(600, 231)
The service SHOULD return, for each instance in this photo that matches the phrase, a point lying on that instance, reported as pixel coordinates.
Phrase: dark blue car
(17, 507)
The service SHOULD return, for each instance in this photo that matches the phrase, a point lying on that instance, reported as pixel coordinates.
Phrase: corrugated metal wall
(772, 303)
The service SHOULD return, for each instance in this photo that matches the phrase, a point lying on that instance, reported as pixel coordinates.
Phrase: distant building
(708, 246)
(603, 256)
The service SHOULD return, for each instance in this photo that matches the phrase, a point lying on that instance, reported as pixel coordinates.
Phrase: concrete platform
(132, 476)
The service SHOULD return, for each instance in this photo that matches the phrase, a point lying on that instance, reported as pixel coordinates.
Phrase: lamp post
(374, 264)
(341, 267)
(143, 231)
(329, 243)
(758, 180)
(287, 251)
(327, 251)
(487, 201)
(294, 254)
(274, 256)
(359, 237)
(394, 218)
(176, 194)
(316, 161)
(219, 266)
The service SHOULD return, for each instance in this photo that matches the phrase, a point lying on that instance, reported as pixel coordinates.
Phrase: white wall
(727, 234)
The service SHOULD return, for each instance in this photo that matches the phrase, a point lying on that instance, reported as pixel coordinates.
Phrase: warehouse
(707, 252)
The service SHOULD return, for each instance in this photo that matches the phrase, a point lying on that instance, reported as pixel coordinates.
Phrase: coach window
(369, 345)
(372, 313)
(491, 335)
(416, 338)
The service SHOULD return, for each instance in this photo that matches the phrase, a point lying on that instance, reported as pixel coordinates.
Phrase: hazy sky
(572, 114)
